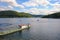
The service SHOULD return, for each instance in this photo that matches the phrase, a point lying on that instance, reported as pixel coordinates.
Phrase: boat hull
(12, 31)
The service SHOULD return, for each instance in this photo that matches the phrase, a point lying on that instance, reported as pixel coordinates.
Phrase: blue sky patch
(49, 6)
(21, 1)
(53, 1)
(3, 4)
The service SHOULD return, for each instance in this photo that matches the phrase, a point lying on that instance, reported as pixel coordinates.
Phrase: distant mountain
(10, 13)
(54, 15)
(37, 15)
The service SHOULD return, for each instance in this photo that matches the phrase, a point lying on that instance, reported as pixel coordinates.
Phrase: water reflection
(15, 36)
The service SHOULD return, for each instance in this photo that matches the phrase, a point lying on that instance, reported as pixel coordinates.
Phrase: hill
(12, 14)
(54, 15)
(37, 15)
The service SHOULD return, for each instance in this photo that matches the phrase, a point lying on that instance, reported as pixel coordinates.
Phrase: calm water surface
(41, 29)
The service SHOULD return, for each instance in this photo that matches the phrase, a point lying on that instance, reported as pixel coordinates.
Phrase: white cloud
(56, 7)
(36, 3)
(12, 3)
(38, 11)
(5, 8)
(32, 4)
(34, 11)
(41, 2)
(10, 7)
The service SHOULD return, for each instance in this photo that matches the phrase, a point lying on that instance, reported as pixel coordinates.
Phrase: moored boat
(13, 28)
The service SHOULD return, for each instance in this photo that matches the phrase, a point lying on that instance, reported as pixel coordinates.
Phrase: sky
(36, 7)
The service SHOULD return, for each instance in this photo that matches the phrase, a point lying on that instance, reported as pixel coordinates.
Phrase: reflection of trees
(1, 37)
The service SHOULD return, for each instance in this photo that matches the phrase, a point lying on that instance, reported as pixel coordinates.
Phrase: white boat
(13, 28)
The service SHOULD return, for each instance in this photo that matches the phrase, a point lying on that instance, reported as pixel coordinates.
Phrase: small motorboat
(13, 28)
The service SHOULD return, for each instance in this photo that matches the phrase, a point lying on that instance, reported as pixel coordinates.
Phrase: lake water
(41, 29)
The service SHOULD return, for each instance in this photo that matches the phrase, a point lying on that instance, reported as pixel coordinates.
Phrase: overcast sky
(38, 7)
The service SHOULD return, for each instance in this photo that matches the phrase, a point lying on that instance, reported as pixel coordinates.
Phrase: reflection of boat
(13, 28)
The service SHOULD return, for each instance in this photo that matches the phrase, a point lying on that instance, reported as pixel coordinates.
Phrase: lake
(41, 29)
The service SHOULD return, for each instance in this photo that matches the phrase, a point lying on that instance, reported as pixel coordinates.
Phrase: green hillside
(10, 13)
(54, 15)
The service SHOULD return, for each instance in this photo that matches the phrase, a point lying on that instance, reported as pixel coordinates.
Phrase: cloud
(54, 1)
(55, 4)
(12, 3)
(34, 6)
(29, 4)
(33, 11)
(41, 11)
(5, 8)
(54, 7)
(35, 3)
(37, 11)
